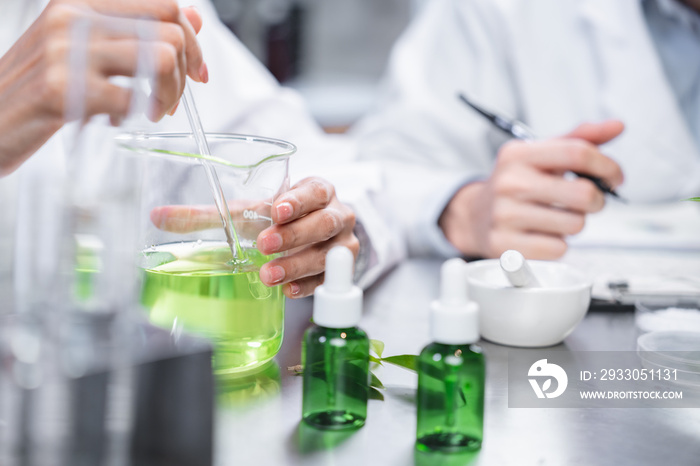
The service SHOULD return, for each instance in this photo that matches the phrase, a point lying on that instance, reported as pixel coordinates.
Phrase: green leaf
(696, 199)
(407, 361)
(375, 382)
(375, 360)
(377, 346)
(375, 394)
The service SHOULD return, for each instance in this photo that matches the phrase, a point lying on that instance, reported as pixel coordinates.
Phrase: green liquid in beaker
(193, 286)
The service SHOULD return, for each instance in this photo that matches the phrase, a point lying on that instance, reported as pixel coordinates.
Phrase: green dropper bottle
(335, 353)
(451, 371)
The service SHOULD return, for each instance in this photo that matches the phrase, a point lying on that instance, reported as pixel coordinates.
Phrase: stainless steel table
(258, 417)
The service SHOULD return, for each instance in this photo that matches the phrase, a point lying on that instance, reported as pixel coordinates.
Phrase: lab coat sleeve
(428, 143)
(243, 97)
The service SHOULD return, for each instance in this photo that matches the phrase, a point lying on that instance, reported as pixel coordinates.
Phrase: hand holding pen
(518, 130)
(526, 203)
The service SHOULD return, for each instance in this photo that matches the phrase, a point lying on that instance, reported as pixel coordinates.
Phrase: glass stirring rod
(214, 184)
(257, 288)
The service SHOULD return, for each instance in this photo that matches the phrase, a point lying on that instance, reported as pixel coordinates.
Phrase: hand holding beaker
(308, 221)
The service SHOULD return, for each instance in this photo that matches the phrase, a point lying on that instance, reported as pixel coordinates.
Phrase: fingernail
(294, 289)
(204, 73)
(172, 112)
(155, 112)
(284, 211)
(271, 243)
(274, 274)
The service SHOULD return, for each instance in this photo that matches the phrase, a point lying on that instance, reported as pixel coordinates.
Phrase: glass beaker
(194, 280)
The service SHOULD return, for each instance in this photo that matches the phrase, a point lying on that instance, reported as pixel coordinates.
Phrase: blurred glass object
(66, 377)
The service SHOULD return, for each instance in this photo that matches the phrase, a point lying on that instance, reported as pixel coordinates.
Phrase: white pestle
(517, 270)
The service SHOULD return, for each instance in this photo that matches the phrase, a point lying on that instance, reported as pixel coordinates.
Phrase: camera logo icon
(542, 370)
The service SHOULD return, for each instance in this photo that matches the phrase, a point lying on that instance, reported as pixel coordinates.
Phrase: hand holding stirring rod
(35, 72)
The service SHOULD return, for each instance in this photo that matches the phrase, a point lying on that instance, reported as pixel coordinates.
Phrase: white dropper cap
(518, 270)
(454, 319)
(338, 303)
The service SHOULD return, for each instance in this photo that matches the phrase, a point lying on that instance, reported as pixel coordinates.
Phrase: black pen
(519, 131)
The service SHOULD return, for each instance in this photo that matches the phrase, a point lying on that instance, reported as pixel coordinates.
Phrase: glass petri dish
(677, 351)
(667, 315)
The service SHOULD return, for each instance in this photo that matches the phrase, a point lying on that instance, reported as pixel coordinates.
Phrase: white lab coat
(551, 63)
(241, 96)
